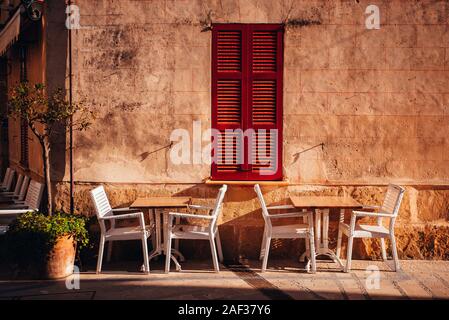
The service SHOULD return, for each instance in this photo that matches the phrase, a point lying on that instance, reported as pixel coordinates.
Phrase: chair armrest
(289, 215)
(15, 206)
(189, 215)
(372, 214)
(371, 207)
(128, 209)
(123, 216)
(287, 206)
(14, 211)
(196, 206)
(6, 201)
(7, 194)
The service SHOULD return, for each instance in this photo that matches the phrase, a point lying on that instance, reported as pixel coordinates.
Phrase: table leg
(302, 258)
(172, 256)
(307, 252)
(153, 223)
(158, 243)
(326, 229)
(318, 229)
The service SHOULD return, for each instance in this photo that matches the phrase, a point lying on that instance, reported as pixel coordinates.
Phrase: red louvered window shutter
(247, 101)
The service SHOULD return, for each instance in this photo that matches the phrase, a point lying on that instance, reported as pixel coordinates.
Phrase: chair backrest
(6, 177)
(34, 195)
(101, 202)
(24, 188)
(9, 179)
(265, 213)
(18, 185)
(392, 200)
(218, 207)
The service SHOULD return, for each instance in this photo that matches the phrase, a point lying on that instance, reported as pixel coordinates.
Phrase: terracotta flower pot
(60, 259)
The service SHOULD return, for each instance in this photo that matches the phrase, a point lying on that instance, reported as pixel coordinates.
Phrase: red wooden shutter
(228, 98)
(265, 101)
(247, 94)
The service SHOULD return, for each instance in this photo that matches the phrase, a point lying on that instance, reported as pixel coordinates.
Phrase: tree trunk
(46, 157)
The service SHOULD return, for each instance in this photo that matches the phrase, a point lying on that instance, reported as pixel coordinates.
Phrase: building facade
(356, 106)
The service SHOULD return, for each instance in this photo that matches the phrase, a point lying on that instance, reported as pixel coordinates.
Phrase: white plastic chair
(210, 232)
(8, 195)
(389, 209)
(106, 213)
(15, 198)
(291, 231)
(7, 180)
(32, 203)
(23, 189)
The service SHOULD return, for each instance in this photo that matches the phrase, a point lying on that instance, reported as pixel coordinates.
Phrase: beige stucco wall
(35, 74)
(377, 99)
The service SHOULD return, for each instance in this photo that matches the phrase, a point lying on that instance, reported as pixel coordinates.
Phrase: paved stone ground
(284, 280)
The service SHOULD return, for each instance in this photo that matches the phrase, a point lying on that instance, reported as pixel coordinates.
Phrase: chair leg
(395, 253)
(100, 253)
(312, 251)
(219, 249)
(153, 241)
(167, 253)
(307, 248)
(305, 221)
(109, 255)
(146, 261)
(349, 254)
(262, 246)
(213, 250)
(339, 238)
(382, 248)
(176, 242)
(266, 253)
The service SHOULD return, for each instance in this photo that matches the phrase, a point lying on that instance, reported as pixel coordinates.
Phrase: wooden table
(321, 205)
(156, 206)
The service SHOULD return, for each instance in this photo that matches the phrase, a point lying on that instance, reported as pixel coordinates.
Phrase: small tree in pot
(57, 234)
(43, 113)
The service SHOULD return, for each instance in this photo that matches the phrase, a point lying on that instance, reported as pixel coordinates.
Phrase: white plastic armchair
(291, 231)
(105, 213)
(389, 209)
(20, 190)
(7, 180)
(209, 232)
(32, 203)
(12, 194)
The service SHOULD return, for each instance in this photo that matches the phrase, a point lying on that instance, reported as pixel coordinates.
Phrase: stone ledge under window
(280, 183)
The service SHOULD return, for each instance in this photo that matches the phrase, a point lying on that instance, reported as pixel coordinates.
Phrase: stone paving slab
(283, 280)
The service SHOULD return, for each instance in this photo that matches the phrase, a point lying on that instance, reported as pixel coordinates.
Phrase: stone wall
(377, 99)
(33, 37)
(422, 230)
(373, 97)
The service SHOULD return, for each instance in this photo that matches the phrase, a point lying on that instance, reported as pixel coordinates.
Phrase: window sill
(280, 183)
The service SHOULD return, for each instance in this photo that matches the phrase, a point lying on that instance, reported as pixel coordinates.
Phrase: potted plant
(56, 234)
(44, 246)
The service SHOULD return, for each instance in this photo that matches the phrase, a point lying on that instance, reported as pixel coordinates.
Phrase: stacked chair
(7, 180)
(25, 197)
